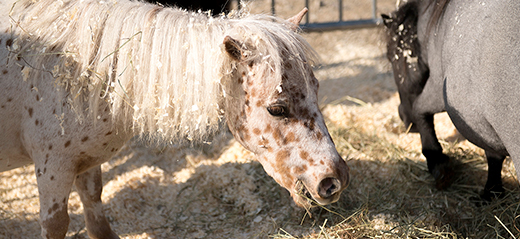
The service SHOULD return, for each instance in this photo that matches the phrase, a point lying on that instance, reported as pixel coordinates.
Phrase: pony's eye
(277, 110)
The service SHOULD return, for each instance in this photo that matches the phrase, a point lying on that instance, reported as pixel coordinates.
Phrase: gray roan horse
(78, 79)
(462, 57)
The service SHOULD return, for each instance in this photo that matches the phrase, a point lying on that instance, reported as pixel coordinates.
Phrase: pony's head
(271, 109)
(404, 52)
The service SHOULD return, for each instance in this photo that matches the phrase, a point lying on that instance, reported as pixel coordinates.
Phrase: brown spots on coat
(52, 177)
(108, 133)
(282, 157)
(50, 146)
(9, 42)
(304, 155)
(288, 65)
(54, 207)
(309, 124)
(36, 122)
(319, 136)
(277, 135)
(84, 162)
(245, 135)
(268, 128)
(84, 139)
(4, 72)
(67, 144)
(30, 111)
(300, 169)
(289, 138)
(37, 98)
(257, 131)
(304, 113)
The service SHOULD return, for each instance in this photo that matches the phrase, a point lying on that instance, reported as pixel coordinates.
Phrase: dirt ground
(218, 190)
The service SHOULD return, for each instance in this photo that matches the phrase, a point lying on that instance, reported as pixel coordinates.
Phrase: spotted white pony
(78, 79)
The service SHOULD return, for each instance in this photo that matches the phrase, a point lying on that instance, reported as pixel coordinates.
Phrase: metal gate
(337, 25)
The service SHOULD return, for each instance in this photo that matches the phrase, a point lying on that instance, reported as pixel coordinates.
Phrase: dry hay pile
(218, 190)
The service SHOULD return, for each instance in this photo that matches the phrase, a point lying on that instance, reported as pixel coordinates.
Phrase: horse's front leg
(438, 163)
(494, 181)
(54, 185)
(90, 186)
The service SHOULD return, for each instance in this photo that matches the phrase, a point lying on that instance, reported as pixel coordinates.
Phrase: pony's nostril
(328, 187)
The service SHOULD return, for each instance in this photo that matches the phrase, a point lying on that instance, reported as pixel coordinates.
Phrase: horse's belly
(465, 108)
(11, 159)
(12, 151)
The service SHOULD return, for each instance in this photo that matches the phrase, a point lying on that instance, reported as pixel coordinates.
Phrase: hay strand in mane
(160, 70)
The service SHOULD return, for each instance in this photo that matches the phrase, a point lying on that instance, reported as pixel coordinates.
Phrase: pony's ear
(233, 48)
(387, 20)
(297, 18)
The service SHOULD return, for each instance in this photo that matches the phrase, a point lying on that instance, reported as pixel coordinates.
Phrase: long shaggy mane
(160, 69)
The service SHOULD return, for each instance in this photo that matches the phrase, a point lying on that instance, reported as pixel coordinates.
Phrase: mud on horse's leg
(90, 186)
(54, 188)
(438, 163)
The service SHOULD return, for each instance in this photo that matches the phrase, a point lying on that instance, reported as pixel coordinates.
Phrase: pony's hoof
(443, 175)
(490, 195)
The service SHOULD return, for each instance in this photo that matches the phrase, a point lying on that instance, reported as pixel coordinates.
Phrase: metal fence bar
(340, 3)
(338, 25)
(307, 19)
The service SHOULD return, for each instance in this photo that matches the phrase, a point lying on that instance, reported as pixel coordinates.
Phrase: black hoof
(490, 195)
(441, 168)
(443, 175)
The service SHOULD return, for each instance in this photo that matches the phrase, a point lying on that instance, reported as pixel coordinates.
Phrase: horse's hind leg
(438, 163)
(89, 186)
(494, 181)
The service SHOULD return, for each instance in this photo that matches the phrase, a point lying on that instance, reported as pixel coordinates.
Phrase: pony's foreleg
(54, 185)
(438, 163)
(90, 186)
(494, 181)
